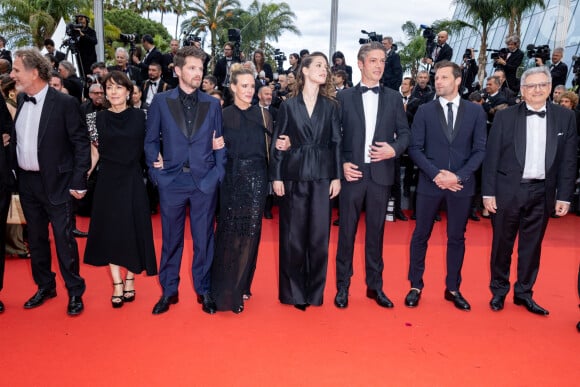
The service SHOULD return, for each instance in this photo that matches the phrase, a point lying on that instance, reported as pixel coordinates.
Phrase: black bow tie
(375, 89)
(541, 114)
(29, 99)
(153, 83)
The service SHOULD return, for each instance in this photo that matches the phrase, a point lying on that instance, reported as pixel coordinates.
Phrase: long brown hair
(327, 89)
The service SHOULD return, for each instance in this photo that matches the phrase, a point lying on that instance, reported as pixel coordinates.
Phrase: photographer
(493, 100)
(441, 51)
(558, 69)
(86, 40)
(511, 62)
(393, 74)
(169, 75)
(94, 102)
(468, 73)
(70, 81)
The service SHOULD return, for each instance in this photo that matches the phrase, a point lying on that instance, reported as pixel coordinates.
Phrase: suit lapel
(358, 107)
(551, 136)
(442, 119)
(202, 109)
(460, 113)
(520, 134)
(44, 116)
(176, 110)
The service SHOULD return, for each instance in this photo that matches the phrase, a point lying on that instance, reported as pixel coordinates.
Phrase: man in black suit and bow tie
(529, 171)
(448, 146)
(511, 62)
(442, 51)
(374, 132)
(153, 85)
(52, 149)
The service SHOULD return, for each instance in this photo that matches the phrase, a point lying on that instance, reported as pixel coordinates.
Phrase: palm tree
(210, 16)
(270, 21)
(178, 7)
(32, 21)
(483, 13)
(413, 51)
(513, 10)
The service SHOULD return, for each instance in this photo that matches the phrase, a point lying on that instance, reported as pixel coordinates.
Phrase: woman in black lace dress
(242, 194)
(120, 233)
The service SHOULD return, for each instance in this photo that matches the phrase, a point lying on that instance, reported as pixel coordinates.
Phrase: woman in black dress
(120, 233)
(242, 194)
(306, 177)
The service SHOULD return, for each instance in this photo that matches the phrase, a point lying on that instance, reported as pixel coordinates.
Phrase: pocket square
(561, 134)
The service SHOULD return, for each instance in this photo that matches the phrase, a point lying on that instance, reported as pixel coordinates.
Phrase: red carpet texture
(270, 344)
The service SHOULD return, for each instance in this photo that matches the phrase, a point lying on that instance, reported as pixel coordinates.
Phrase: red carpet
(272, 344)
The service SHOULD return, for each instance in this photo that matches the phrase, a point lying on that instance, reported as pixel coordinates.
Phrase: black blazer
(432, 149)
(6, 126)
(316, 141)
(506, 152)
(86, 46)
(155, 56)
(445, 53)
(511, 67)
(392, 127)
(559, 74)
(393, 75)
(133, 72)
(221, 71)
(161, 87)
(63, 146)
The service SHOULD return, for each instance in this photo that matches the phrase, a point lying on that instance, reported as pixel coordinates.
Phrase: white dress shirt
(27, 126)
(371, 108)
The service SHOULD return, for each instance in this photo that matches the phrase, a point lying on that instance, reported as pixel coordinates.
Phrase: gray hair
(513, 39)
(495, 80)
(122, 51)
(560, 50)
(388, 38)
(560, 87)
(536, 70)
(68, 66)
(33, 59)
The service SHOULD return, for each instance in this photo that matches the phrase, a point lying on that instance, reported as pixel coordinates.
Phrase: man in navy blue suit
(188, 173)
(448, 146)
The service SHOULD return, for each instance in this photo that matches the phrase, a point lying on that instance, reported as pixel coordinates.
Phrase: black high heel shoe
(129, 295)
(117, 301)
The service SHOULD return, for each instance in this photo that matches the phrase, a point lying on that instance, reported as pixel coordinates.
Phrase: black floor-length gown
(120, 231)
(242, 199)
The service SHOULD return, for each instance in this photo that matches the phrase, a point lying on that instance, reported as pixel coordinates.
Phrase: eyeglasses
(541, 85)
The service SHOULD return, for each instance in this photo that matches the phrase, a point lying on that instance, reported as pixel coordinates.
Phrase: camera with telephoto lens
(235, 36)
(131, 39)
(92, 79)
(429, 35)
(279, 57)
(542, 52)
(189, 39)
(371, 37)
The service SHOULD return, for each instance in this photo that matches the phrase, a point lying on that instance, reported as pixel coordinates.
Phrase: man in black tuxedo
(494, 100)
(393, 75)
(153, 85)
(374, 132)
(169, 75)
(51, 49)
(52, 149)
(558, 69)
(152, 55)
(222, 67)
(448, 146)
(511, 63)
(529, 171)
(6, 182)
(4, 53)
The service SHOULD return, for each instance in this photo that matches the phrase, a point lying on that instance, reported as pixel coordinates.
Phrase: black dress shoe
(162, 305)
(207, 303)
(531, 306)
(268, 215)
(80, 234)
(413, 297)
(301, 307)
(497, 302)
(400, 215)
(341, 299)
(380, 297)
(39, 297)
(473, 216)
(75, 306)
(458, 300)
(1, 307)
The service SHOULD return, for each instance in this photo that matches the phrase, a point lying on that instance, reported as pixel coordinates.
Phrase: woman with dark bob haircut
(120, 233)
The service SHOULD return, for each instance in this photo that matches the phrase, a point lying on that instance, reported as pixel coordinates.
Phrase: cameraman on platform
(511, 62)
(441, 51)
(86, 40)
